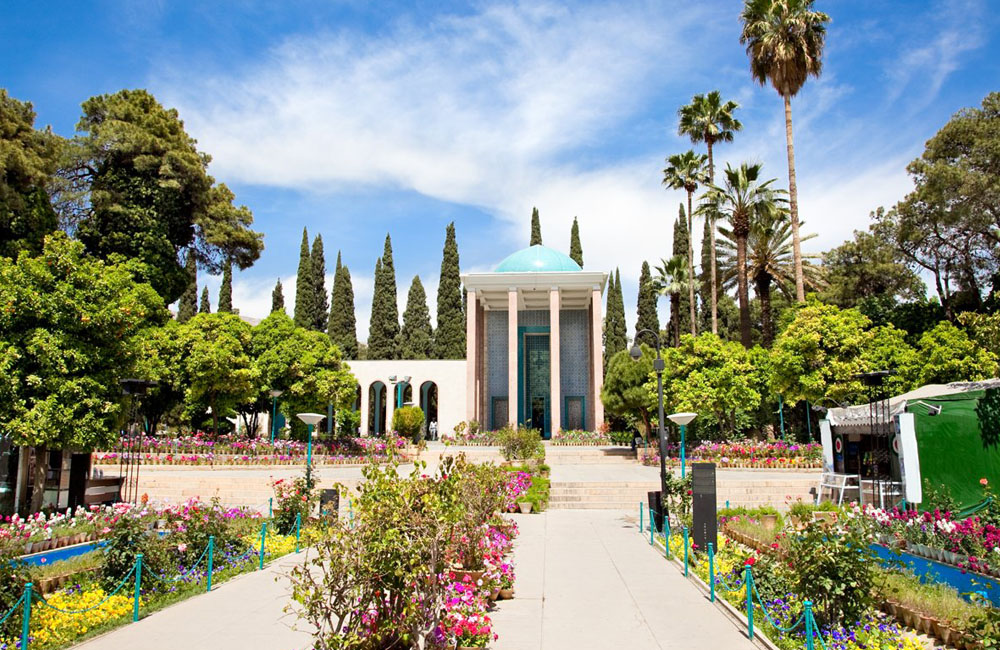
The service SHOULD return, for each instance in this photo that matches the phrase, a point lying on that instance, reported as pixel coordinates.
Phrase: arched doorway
(429, 404)
(376, 408)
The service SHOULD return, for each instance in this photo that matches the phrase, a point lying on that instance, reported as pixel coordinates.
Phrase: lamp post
(275, 394)
(682, 419)
(311, 419)
(398, 387)
(658, 366)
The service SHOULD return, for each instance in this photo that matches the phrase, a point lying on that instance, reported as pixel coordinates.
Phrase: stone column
(512, 396)
(471, 355)
(597, 357)
(364, 408)
(555, 377)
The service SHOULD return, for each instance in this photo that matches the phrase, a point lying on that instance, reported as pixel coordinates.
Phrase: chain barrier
(179, 576)
(770, 620)
(38, 597)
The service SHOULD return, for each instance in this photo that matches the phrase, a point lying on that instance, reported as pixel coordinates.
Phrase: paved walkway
(586, 580)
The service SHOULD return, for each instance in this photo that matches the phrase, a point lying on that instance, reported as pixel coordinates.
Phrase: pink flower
(983, 482)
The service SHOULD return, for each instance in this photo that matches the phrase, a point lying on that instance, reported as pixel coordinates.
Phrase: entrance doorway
(535, 381)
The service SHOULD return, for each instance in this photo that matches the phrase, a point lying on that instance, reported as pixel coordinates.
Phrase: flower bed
(748, 454)
(584, 438)
(204, 445)
(114, 458)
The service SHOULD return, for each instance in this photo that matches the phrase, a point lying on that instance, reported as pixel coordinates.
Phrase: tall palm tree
(708, 119)
(671, 280)
(784, 40)
(686, 171)
(769, 261)
(741, 198)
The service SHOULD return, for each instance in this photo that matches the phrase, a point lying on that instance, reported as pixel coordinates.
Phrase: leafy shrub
(13, 576)
(348, 422)
(520, 444)
(408, 422)
(621, 437)
(293, 499)
(128, 537)
(196, 521)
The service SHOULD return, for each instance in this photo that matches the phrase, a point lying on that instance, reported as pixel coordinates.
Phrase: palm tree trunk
(793, 203)
(742, 289)
(675, 306)
(763, 288)
(711, 239)
(694, 329)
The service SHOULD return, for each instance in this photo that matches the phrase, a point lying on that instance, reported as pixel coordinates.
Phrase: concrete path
(586, 580)
(246, 612)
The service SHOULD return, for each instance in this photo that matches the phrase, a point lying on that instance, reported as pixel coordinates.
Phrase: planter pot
(925, 624)
(525, 507)
(469, 647)
(495, 594)
(825, 517)
(507, 594)
(461, 574)
(945, 633)
(889, 607)
(769, 522)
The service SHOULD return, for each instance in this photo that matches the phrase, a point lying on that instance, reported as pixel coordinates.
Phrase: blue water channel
(933, 571)
(59, 554)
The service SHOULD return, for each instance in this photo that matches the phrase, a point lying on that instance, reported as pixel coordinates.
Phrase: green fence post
(138, 583)
(350, 512)
(298, 526)
(748, 584)
(685, 551)
(652, 531)
(270, 507)
(711, 572)
(666, 536)
(809, 626)
(640, 516)
(263, 537)
(211, 552)
(26, 617)
(727, 504)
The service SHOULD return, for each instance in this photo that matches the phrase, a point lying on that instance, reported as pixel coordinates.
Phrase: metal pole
(270, 507)
(711, 572)
(652, 525)
(683, 467)
(309, 457)
(748, 584)
(666, 537)
(640, 516)
(662, 432)
(810, 631)
(329, 418)
(781, 416)
(26, 616)
(274, 414)
(138, 583)
(685, 551)
(211, 554)
(263, 536)
(298, 525)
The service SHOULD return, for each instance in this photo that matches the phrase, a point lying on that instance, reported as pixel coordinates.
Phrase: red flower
(750, 561)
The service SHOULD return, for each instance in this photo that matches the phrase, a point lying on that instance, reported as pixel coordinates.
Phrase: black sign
(705, 520)
(329, 503)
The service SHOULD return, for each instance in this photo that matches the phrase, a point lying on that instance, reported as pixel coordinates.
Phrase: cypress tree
(536, 228)
(680, 247)
(615, 331)
(305, 295)
(277, 298)
(187, 306)
(321, 303)
(449, 340)
(647, 316)
(206, 306)
(383, 334)
(705, 281)
(342, 328)
(575, 248)
(416, 337)
(226, 290)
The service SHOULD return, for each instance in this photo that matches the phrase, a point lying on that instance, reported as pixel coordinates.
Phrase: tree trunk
(694, 318)
(763, 287)
(215, 419)
(675, 306)
(793, 204)
(742, 289)
(41, 469)
(711, 235)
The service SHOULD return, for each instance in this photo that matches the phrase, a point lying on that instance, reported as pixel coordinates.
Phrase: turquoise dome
(538, 259)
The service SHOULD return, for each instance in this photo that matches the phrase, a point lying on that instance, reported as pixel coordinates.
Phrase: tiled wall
(574, 354)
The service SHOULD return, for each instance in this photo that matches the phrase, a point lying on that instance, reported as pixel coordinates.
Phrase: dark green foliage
(416, 337)
(868, 267)
(615, 330)
(536, 228)
(277, 298)
(647, 316)
(683, 302)
(226, 291)
(408, 422)
(449, 340)
(320, 301)
(205, 307)
(575, 248)
(305, 293)
(187, 307)
(705, 281)
(342, 328)
(383, 332)
(127, 539)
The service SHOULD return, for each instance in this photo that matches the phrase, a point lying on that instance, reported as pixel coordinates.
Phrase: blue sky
(356, 118)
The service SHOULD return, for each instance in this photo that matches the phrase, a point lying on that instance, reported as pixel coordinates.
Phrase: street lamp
(658, 366)
(311, 420)
(682, 419)
(398, 387)
(275, 394)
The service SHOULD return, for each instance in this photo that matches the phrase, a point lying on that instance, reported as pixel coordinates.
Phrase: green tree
(205, 307)
(708, 119)
(277, 298)
(672, 280)
(383, 332)
(784, 40)
(449, 339)
(226, 290)
(187, 306)
(536, 228)
(416, 338)
(321, 303)
(646, 307)
(615, 329)
(28, 161)
(686, 171)
(867, 267)
(160, 358)
(146, 193)
(680, 317)
(342, 328)
(625, 393)
(67, 337)
(947, 353)
(305, 293)
(575, 247)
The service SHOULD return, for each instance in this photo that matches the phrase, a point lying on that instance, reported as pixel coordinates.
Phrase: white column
(555, 382)
(365, 387)
(512, 396)
(471, 355)
(597, 356)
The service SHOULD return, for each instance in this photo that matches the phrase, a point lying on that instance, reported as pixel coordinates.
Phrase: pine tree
(575, 248)
(647, 316)
(705, 281)
(226, 290)
(449, 339)
(187, 306)
(615, 330)
(680, 248)
(416, 337)
(277, 298)
(383, 333)
(206, 306)
(342, 328)
(321, 301)
(536, 228)
(305, 295)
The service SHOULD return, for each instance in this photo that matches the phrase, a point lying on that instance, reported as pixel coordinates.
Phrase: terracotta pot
(507, 594)
(944, 633)
(926, 624)
(889, 607)
(495, 594)
(769, 522)
(525, 507)
(469, 647)
(460, 575)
